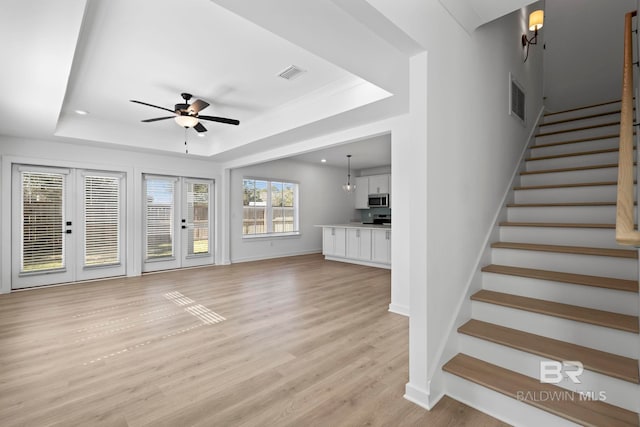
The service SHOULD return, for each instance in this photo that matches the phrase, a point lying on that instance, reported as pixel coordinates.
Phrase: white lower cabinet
(359, 243)
(381, 246)
(334, 241)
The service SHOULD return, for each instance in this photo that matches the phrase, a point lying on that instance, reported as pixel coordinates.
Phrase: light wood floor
(290, 342)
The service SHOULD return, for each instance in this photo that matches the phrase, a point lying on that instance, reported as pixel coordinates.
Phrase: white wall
(90, 156)
(473, 147)
(322, 201)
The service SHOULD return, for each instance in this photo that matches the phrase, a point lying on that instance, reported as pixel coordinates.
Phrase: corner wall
(473, 146)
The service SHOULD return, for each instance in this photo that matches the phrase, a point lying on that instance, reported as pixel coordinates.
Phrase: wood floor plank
(616, 366)
(526, 389)
(303, 339)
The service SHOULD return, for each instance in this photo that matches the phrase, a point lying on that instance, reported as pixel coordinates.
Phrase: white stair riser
(573, 161)
(570, 177)
(582, 112)
(567, 293)
(576, 134)
(592, 193)
(594, 237)
(599, 144)
(597, 337)
(550, 126)
(500, 406)
(580, 214)
(621, 268)
(616, 392)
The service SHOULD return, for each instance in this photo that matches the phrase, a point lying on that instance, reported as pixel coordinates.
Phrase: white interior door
(68, 225)
(178, 222)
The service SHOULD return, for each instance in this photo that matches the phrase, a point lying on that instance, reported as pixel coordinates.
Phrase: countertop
(358, 225)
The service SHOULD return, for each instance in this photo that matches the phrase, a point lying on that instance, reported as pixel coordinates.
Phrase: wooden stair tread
(556, 224)
(579, 168)
(574, 119)
(582, 108)
(599, 125)
(579, 250)
(563, 277)
(613, 365)
(574, 154)
(514, 385)
(577, 184)
(592, 316)
(555, 205)
(574, 141)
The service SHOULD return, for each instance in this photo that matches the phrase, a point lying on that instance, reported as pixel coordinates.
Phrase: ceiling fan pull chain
(186, 147)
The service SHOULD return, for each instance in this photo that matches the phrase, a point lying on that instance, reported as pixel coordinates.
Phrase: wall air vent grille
(516, 99)
(291, 72)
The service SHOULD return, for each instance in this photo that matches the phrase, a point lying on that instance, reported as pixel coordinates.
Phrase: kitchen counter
(359, 225)
(358, 243)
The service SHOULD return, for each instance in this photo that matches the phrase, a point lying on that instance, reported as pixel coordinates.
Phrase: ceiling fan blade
(199, 128)
(156, 119)
(220, 119)
(198, 105)
(151, 105)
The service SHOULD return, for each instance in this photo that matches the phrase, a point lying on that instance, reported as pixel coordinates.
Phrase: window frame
(269, 208)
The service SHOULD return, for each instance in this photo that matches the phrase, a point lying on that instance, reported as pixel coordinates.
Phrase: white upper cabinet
(362, 192)
(379, 184)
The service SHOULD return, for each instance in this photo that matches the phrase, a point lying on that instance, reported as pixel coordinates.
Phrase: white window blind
(160, 198)
(42, 221)
(102, 222)
(198, 218)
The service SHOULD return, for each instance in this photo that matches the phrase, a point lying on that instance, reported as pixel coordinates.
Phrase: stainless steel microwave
(378, 200)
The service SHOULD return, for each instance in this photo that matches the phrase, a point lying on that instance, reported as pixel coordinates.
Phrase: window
(269, 207)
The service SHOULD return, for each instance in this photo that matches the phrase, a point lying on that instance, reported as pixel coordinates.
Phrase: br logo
(552, 371)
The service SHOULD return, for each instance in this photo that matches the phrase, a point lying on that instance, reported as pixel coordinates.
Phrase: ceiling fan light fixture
(186, 121)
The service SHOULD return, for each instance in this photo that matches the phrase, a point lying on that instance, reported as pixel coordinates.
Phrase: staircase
(559, 288)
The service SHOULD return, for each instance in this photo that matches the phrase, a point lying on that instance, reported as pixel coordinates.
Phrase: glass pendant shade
(186, 121)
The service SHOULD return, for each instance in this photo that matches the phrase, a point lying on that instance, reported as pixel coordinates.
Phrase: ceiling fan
(186, 115)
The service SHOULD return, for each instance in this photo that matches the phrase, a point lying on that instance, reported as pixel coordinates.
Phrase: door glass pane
(42, 221)
(160, 194)
(197, 218)
(102, 224)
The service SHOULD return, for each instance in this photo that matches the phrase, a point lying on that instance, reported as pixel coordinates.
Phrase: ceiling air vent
(516, 99)
(290, 73)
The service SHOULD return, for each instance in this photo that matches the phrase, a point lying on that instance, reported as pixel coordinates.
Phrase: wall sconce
(536, 21)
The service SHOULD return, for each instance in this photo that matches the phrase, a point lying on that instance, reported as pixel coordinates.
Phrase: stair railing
(626, 233)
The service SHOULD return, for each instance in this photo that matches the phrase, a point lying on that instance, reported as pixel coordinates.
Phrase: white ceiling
(96, 55)
(583, 49)
(367, 153)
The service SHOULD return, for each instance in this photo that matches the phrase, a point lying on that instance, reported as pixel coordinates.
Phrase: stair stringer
(450, 345)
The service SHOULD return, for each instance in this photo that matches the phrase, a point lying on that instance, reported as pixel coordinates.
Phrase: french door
(178, 219)
(67, 225)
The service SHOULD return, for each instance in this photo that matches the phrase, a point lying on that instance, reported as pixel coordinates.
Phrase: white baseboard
(359, 262)
(273, 256)
(399, 309)
(417, 395)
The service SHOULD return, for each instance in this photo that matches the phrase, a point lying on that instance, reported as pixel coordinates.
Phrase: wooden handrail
(626, 234)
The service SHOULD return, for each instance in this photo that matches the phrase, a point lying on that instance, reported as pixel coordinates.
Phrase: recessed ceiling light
(201, 134)
(81, 112)
(324, 160)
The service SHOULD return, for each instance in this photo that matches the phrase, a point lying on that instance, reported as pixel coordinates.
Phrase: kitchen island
(358, 243)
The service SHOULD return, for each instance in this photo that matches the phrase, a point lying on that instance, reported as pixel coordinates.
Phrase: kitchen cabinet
(362, 192)
(354, 243)
(381, 246)
(359, 243)
(378, 184)
(334, 241)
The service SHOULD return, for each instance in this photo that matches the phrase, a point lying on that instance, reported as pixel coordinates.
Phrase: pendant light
(348, 187)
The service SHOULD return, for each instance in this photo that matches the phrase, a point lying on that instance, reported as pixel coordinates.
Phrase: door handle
(184, 226)
(68, 231)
